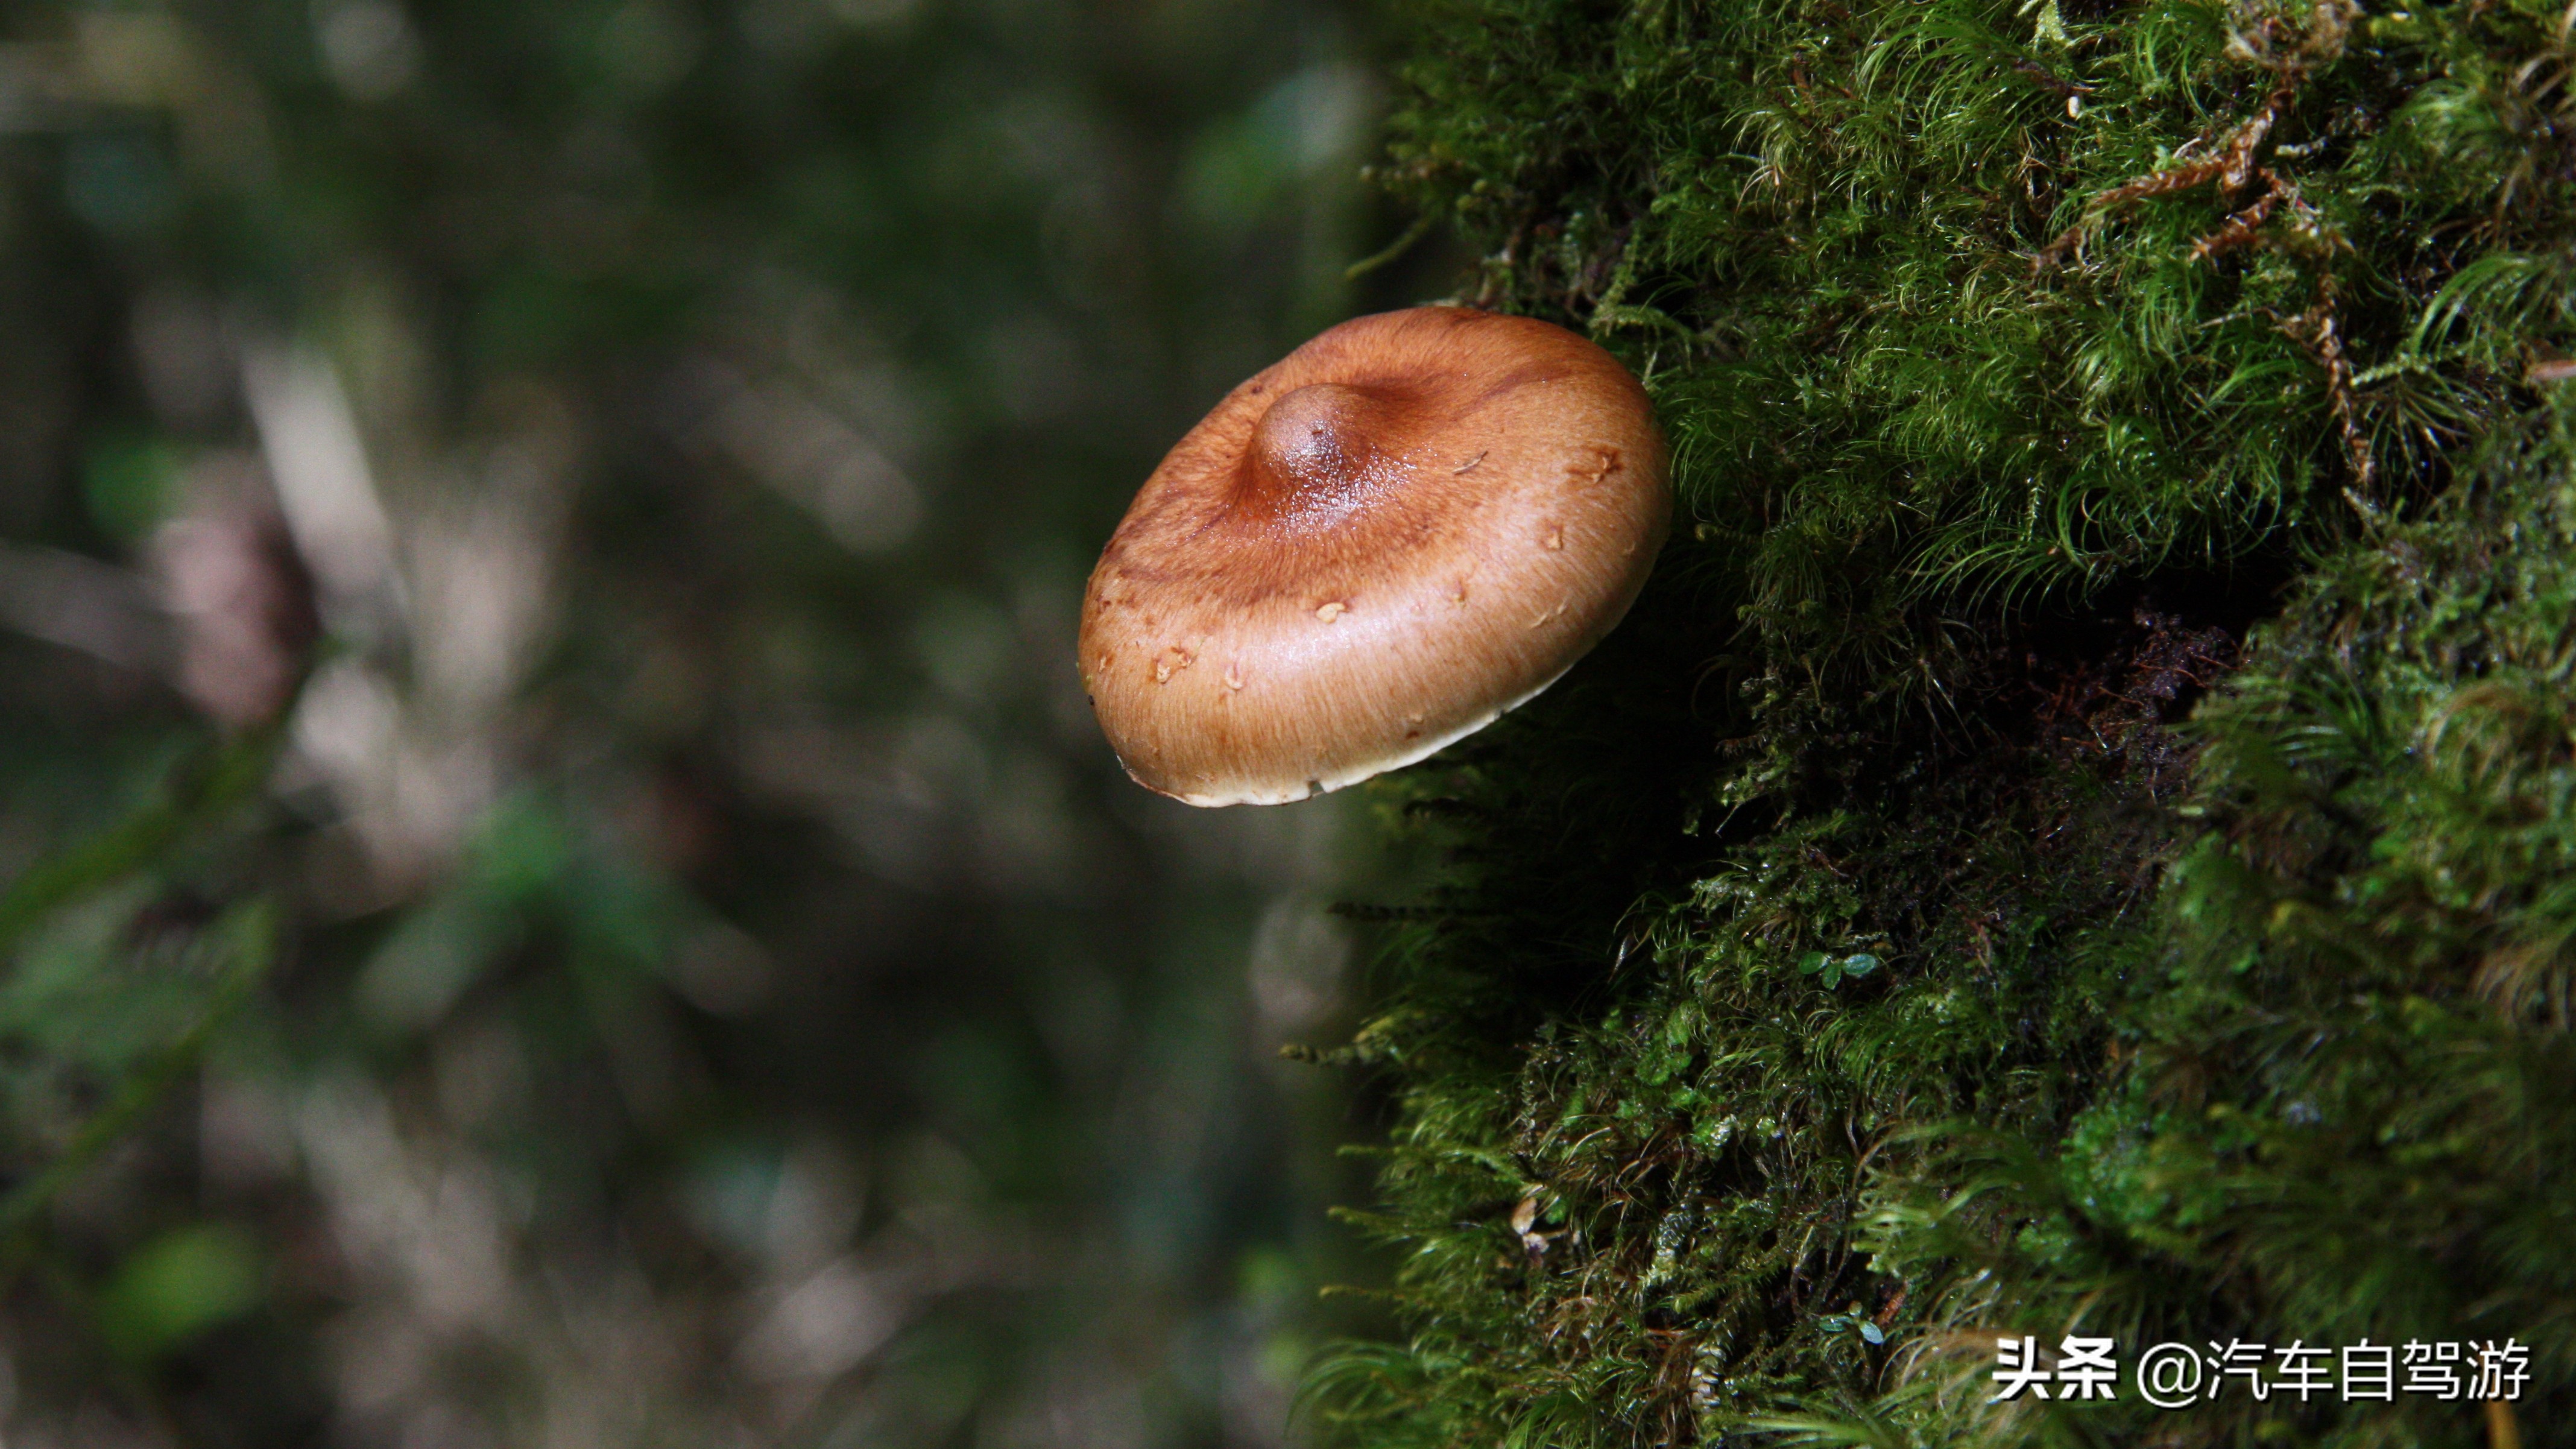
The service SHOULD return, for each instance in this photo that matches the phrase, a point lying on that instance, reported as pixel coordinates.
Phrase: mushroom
(1373, 548)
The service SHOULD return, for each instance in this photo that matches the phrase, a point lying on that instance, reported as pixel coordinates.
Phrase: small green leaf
(1871, 1332)
(177, 1287)
(1860, 964)
(1833, 974)
(1812, 962)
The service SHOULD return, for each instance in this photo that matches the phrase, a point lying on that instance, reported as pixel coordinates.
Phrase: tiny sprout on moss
(1830, 969)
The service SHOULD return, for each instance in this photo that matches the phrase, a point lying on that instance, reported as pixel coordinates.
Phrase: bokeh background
(563, 890)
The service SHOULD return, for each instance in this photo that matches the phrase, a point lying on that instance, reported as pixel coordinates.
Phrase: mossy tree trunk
(2080, 837)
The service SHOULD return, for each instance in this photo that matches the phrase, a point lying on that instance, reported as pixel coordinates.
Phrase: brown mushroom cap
(1373, 548)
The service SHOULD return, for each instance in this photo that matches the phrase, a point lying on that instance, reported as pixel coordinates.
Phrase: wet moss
(2072, 840)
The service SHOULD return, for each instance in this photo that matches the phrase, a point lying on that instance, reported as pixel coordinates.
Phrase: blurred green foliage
(570, 517)
(178, 1286)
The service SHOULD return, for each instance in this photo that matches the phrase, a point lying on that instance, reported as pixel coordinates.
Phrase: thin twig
(200, 792)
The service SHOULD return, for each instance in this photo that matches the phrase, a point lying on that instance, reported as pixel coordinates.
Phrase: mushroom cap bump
(1372, 549)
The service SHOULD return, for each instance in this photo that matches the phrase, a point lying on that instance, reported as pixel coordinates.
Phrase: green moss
(2013, 358)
